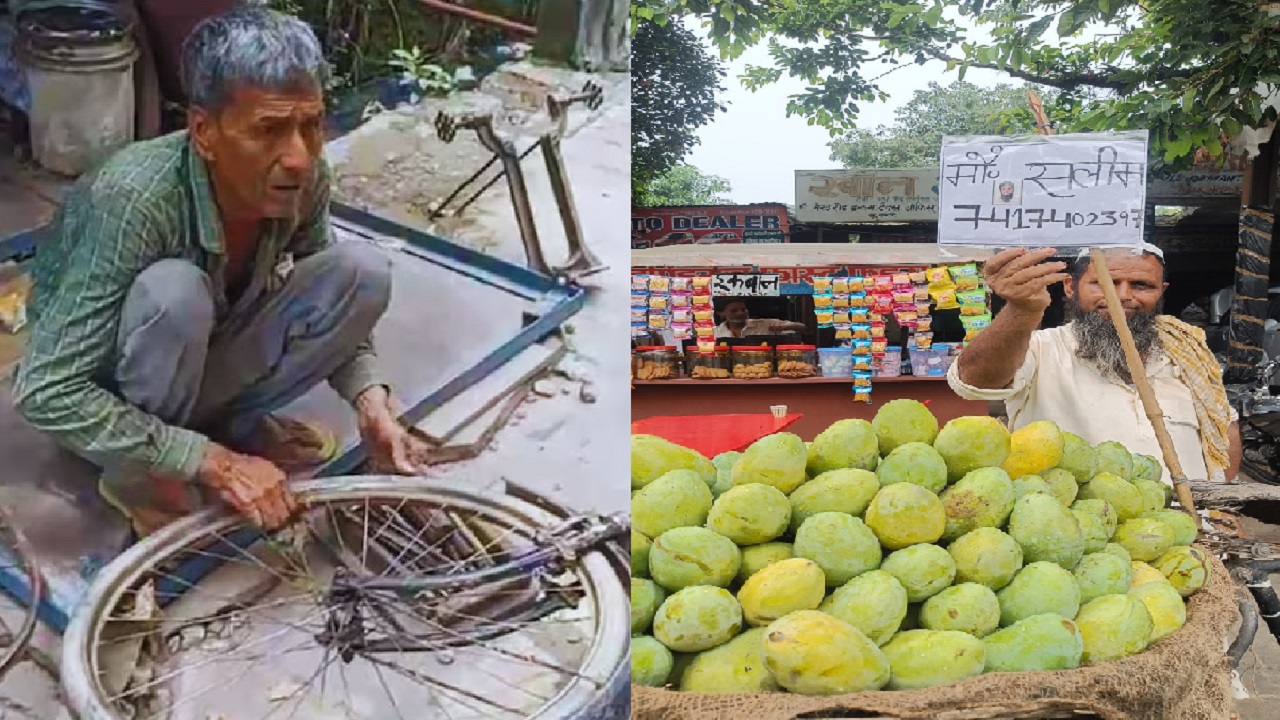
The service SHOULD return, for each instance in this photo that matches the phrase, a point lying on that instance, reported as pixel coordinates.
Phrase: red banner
(664, 226)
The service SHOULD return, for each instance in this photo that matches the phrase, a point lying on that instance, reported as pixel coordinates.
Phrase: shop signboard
(745, 284)
(709, 225)
(867, 196)
(1077, 190)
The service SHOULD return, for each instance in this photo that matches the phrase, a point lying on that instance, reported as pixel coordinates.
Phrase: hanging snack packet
(839, 285)
(904, 294)
(862, 362)
(924, 322)
(681, 299)
(825, 318)
(877, 328)
(857, 284)
(905, 318)
(945, 299)
(703, 283)
(972, 302)
(640, 283)
(840, 316)
(639, 299)
(658, 302)
(706, 347)
(844, 331)
(882, 304)
(922, 293)
(682, 330)
(924, 340)
(822, 301)
(862, 378)
(681, 314)
(704, 334)
(919, 277)
(702, 301)
(923, 307)
(883, 283)
(639, 314)
(939, 278)
(862, 347)
(862, 331)
(821, 285)
(966, 276)
(862, 395)
(680, 285)
(657, 322)
(900, 279)
(974, 324)
(704, 315)
(857, 299)
(659, 284)
(858, 315)
(840, 301)
(879, 345)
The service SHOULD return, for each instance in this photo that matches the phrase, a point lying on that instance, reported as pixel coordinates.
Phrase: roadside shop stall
(882, 321)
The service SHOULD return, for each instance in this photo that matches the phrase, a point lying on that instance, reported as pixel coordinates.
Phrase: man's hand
(1022, 278)
(255, 487)
(391, 447)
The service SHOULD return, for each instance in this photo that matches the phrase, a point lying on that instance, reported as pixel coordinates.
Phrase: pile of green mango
(897, 554)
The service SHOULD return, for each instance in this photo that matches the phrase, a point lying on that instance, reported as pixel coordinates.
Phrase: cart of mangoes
(897, 555)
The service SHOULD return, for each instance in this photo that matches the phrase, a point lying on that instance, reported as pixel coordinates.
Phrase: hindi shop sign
(708, 225)
(1082, 190)
(867, 196)
(745, 285)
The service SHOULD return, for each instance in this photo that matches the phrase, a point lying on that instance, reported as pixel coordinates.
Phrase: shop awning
(799, 255)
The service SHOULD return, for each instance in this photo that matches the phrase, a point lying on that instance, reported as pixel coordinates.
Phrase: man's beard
(1099, 344)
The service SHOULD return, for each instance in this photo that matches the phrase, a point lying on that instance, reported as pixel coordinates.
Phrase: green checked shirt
(152, 200)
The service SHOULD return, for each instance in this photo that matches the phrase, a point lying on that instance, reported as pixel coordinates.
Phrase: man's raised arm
(1022, 278)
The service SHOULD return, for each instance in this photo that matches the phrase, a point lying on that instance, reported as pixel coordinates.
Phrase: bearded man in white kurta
(1077, 376)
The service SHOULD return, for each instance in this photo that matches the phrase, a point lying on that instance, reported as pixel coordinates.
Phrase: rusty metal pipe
(484, 18)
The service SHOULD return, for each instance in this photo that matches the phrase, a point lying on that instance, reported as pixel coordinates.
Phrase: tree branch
(1063, 81)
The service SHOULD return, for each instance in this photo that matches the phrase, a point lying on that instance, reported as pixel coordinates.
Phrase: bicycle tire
(579, 700)
(35, 586)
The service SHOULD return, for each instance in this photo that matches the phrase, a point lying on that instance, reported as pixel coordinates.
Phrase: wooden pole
(1137, 368)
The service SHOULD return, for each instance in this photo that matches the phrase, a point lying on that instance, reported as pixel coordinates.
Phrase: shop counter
(821, 400)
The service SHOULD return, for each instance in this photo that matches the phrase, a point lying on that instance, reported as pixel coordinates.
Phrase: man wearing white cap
(1076, 375)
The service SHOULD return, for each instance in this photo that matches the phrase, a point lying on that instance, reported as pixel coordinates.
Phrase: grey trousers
(188, 367)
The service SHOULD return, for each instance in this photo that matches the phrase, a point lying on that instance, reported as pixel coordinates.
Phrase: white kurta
(1054, 384)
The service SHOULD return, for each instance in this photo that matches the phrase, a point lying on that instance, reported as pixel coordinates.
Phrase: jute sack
(1183, 677)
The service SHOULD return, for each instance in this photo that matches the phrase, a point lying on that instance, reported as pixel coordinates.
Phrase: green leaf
(1037, 28)
(1189, 98)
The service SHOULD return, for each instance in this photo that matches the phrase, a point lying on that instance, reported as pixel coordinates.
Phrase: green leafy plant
(414, 65)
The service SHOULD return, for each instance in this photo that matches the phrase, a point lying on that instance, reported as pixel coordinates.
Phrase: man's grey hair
(250, 47)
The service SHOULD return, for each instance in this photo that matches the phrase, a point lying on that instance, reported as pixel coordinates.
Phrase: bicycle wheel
(391, 598)
(24, 587)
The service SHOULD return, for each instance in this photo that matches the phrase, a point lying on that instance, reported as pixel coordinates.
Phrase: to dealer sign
(663, 226)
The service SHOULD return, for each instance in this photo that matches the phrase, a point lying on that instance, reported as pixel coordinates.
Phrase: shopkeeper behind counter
(735, 322)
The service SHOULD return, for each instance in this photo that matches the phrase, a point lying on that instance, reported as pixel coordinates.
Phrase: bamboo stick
(1138, 371)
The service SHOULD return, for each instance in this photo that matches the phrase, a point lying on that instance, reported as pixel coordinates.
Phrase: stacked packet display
(659, 303)
(703, 312)
(639, 305)
(681, 309)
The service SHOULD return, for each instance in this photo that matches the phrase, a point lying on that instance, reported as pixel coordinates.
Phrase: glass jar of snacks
(657, 362)
(797, 361)
(714, 365)
(752, 363)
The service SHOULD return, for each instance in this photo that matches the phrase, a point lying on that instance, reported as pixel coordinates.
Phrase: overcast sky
(757, 148)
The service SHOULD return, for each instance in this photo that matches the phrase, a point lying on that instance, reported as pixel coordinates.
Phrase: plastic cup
(779, 411)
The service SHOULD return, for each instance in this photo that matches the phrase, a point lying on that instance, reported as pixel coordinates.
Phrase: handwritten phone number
(1038, 218)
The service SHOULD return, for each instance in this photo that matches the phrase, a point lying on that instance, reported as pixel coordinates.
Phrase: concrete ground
(570, 442)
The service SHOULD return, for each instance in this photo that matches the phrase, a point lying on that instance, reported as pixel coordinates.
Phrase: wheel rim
(89, 686)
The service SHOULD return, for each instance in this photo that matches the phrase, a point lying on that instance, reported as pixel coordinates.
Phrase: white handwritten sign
(867, 196)
(1083, 190)
(745, 285)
